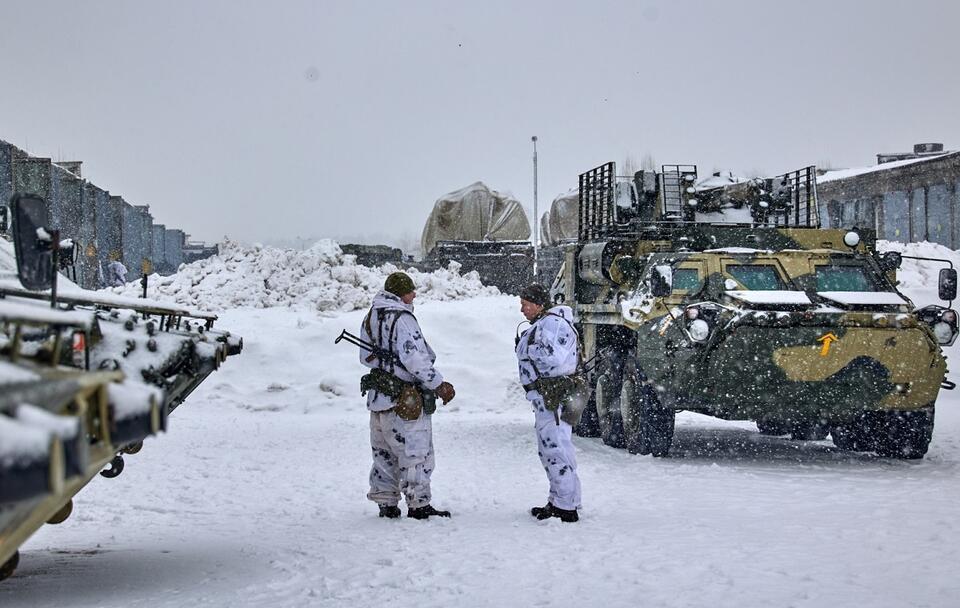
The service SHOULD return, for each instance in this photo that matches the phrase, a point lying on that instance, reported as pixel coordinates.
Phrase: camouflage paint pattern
(760, 360)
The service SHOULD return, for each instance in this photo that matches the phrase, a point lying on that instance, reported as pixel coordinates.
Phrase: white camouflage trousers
(555, 447)
(402, 459)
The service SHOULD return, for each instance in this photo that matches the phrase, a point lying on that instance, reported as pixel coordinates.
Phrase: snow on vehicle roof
(64, 427)
(10, 373)
(132, 399)
(37, 311)
(727, 215)
(21, 443)
(879, 298)
(717, 181)
(770, 296)
(830, 176)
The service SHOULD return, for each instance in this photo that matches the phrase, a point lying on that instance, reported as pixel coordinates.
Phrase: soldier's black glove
(445, 392)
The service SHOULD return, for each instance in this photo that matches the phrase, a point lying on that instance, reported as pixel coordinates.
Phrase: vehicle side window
(844, 278)
(686, 279)
(756, 277)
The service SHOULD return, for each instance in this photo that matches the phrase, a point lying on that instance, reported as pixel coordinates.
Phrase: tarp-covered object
(561, 222)
(475, 213)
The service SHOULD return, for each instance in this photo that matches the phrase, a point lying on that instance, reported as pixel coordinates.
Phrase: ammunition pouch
(410, 399)
(410, 403)
(572, 392)
(381, 381)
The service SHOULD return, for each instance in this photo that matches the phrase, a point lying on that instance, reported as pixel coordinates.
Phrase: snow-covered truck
(744, 308)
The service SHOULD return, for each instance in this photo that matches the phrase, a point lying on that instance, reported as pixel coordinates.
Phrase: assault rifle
(375, 351)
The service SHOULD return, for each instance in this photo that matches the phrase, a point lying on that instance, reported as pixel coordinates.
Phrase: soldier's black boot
(426, 511)
(390, 511)
(566, 515)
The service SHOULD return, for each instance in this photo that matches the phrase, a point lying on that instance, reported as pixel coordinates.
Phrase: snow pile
(322, 278)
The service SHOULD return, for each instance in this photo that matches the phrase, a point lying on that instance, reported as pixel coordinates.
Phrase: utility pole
(536, 217)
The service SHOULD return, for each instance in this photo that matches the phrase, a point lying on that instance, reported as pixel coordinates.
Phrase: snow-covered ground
(256, 498)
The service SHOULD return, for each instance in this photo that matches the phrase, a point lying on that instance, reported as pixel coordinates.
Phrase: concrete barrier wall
(148, 263)
(33, 176)
(89, 236)
(104, 226)
(159, 248)
(6, 172)
(174, 242)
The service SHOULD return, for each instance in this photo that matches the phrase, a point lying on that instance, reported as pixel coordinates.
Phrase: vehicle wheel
(809, 429)
(636, 442)
(609, 418)
(773, 426)
(905, 434)
(61, 516)
(589, 423)
(6, 570)
(115, 467)
(857, 435)
(652, 431)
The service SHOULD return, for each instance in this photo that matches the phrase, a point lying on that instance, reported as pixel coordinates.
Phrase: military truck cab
(798, 328)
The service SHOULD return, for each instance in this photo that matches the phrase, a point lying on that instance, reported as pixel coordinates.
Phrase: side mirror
(948, 284)
(661, 280)
(4, 218)
(33, 251)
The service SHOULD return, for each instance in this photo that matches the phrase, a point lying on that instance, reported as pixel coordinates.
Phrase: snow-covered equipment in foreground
(85, 378)
(742, 307)
(59, 425)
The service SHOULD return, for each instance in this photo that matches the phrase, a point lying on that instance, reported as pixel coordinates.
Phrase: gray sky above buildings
(294, 119)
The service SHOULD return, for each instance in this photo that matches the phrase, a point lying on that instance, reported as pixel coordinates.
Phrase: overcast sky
(286, 119)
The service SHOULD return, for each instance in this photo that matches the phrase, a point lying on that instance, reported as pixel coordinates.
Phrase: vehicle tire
(809, 429)
(653, 424)
(609, 418)
(636, 441)
(854, 436)
(589, 425)
(905, 434)
(773, 426)
(61, 516)
(8, 567)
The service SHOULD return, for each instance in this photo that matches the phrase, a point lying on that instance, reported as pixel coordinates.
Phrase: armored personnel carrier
(738, 305)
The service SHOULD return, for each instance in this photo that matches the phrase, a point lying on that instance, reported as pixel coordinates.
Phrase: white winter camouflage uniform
(402, 449)
(553, 352)
(116, 274)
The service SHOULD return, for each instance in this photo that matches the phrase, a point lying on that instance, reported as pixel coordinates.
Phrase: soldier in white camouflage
(401, 392)
(548, 350)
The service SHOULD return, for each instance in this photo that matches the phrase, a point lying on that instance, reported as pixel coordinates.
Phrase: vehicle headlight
(943, 322)
(943, 332)
(699, 330)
